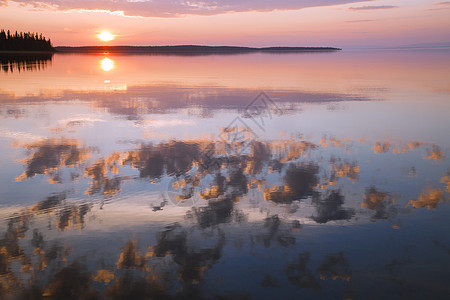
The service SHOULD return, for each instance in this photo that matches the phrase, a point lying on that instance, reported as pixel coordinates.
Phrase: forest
(24, 41)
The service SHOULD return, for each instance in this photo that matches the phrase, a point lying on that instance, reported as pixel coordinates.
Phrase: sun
(106, 36)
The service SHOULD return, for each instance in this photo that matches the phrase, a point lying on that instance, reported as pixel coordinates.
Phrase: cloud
(441, 6)
(373, 7)
(438, 9)
(174, 8)
(358, 21)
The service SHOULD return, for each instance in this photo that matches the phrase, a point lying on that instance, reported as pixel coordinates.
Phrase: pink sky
(341, 23)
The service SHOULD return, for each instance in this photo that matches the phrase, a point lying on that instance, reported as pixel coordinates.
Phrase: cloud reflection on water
(133, 213)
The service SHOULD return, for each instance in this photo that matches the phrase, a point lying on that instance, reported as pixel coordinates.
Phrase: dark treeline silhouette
(189, 49)
(24, 41)
(24, 61)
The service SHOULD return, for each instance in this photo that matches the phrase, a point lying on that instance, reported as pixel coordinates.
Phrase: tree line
(24, 41)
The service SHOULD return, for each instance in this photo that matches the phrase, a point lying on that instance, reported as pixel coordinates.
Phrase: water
(259, 176)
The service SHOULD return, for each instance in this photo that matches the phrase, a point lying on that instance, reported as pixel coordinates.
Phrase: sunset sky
(341, 23)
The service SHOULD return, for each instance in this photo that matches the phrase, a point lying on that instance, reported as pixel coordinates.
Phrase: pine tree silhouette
(24, 41)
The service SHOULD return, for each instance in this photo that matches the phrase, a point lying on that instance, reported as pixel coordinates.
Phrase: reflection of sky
(140, 86)
(91, 166)
(340, 72)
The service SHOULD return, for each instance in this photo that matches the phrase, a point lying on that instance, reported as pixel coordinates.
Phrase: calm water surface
(259, 176)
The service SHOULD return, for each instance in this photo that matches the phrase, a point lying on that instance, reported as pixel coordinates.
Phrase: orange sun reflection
(107, 64)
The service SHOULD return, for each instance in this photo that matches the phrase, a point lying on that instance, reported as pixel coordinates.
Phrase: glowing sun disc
(106, 36)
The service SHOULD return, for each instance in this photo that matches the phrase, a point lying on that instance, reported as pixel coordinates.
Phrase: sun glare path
(107, 64)
(106, 36)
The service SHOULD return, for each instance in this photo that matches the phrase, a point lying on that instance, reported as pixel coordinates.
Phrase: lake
(251, 176)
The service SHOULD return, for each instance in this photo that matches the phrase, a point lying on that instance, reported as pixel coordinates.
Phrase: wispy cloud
(438, 9)
(440, 6)
(373, 7)
(174, 8)
(358, 21)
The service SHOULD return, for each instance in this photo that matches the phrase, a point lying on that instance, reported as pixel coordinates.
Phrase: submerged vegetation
(24, 41)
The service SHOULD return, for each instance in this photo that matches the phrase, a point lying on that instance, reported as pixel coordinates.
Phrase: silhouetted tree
(24, 41)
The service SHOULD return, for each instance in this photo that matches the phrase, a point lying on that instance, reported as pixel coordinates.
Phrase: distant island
(33, 42)
(28, 42)
(188, 49)
(24, 42)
